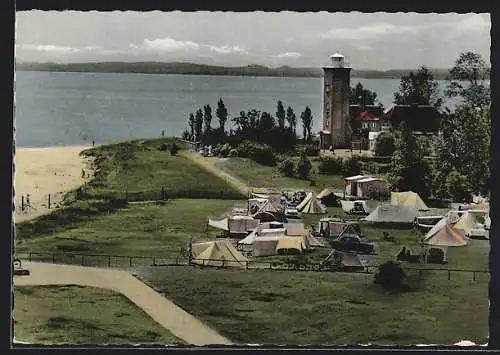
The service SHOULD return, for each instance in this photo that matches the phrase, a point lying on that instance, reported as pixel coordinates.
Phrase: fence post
(154, 260)
(130, 261)
(49, 202)
(474, 276)
(53, 258)
(246, 265)
(449, 276)
(22, 203)
(109, 260)
(176, 261)
(29, 257)
(83, 260)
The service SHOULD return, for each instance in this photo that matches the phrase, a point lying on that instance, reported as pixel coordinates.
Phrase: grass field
(309, 308)
(140, 229)
(141, 169)
(82, 315)
(257, 175)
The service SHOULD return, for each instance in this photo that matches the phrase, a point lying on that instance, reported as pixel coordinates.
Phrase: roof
(356, 177)
(423, 118)
(355, 111)
(370, 179)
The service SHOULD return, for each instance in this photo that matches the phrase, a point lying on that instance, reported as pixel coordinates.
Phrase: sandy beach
(43, 171)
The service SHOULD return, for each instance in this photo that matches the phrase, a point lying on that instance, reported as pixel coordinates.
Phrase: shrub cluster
(338, 166)
(260, 153)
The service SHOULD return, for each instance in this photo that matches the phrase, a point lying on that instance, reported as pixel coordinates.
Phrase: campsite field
(257, 175)
(283, 307)
(82, 315)
(140, 229)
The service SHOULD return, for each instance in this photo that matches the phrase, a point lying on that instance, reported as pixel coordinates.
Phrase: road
(166, 313)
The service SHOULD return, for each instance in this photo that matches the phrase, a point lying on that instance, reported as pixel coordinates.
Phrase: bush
(233, 153)
(303, 167)
(286, 167)
(330, 166)
(384, 145)
(391, 277)
(260, 153)
(311, 150)
(352, 166)
(163, 147)
(225, 150)
(174, 149)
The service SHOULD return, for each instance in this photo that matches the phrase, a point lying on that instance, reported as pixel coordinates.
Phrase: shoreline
(44, 171)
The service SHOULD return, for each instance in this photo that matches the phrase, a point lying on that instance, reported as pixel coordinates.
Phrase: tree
(418, 89)
(358, 95)
(221, 114)
(409, 171)
(459, 187)
(291, 119)
(191, 123)
(307, 119)
(391, 277)
(468, 80)
(207, 118)
(384, 145)
(281, 115)
(464, 145)
(198, 124)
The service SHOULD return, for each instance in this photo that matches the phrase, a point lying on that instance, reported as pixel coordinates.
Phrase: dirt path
(213, 165)
(176, 320)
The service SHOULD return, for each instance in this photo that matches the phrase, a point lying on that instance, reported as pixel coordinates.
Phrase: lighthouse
(336, 85)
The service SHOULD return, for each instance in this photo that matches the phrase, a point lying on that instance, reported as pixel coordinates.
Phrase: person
(28, 200)
(93, 143)
(163, 133)
(83, 173)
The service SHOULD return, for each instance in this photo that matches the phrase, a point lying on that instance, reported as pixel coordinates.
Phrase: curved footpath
(211, 165)
(166, 313)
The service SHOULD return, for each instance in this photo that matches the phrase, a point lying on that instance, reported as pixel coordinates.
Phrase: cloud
(287, 55)
(55, 49)
(170, 45)
(475, 22)
(368, 31)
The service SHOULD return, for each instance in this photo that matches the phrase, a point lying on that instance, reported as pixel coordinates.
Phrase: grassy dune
(82, 315)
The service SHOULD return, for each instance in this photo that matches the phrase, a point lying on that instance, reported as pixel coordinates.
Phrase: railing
(126, 261)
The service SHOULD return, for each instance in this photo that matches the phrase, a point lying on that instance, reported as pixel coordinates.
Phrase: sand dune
(43, 171)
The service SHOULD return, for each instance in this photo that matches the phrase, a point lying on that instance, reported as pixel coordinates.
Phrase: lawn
(257, 175)
(311, 308)
(82, 315)
(140, 169)
(141, 229)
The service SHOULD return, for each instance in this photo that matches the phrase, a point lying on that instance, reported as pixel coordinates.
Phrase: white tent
(262, 233)
(220, 223)
(393, 214)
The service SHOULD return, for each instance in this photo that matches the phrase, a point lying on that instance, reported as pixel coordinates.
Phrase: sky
(368, 41)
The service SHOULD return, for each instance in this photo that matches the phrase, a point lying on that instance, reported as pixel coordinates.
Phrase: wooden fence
(125, 261)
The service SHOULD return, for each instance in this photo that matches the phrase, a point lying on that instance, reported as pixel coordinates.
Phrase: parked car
(352, 243)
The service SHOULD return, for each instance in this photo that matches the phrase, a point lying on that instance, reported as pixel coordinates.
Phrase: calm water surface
(59, 108)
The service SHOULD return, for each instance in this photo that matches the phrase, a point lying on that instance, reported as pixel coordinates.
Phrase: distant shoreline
(196, 69)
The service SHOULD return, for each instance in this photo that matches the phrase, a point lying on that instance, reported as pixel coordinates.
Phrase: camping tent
(343, 260)
(260, 196)
(269, 211)
(444, 235)
(367, 206)
(397, 214)
(241, 224)
(408, 198)
(261, 233)
(328, 198)
(220, 223)
(265, 246)
(471, 219)
(217, 253)
(287, 244)
(310, 205)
